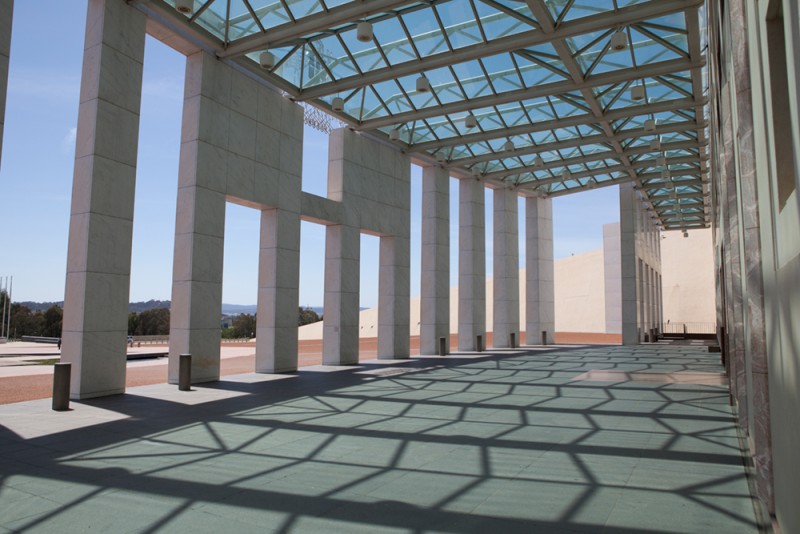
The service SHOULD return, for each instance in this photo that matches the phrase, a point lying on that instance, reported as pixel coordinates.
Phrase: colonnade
(241, 142)
(640, 249)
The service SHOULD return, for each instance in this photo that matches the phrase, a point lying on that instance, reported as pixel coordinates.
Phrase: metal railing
(680, 328)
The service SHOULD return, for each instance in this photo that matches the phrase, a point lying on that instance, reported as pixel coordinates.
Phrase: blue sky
(38, 156)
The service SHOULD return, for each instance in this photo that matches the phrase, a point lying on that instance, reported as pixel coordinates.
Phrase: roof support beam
(579, 141)
(575, 120)
(318, 22)
(616, 168)
(539, 91)
(611, 154)
(626, 15)
(607, 183)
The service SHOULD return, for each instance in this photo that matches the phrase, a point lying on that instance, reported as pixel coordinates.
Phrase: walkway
(519, 441)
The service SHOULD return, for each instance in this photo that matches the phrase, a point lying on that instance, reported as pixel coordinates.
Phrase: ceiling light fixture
(637, 92)
(423, 85)
(394, 134)
(470, 121)
(508, 146)
(440, 157)
(337, 104)
(266, 60)
(538, 161)
(184, 6)
(650, 125)
(565, 174)
(364, 31)
(655, 144)
(619, 41)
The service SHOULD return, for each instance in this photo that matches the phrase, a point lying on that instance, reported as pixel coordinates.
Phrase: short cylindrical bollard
(185, 372)
(544, 337)
(442, 346)
(479, 343)
(512, 340)
(61, 378)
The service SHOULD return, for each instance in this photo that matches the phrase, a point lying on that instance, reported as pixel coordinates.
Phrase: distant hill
(139, 307)
(39, 306)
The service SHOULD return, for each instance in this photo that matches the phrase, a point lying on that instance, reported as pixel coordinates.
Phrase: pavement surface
(509, 441)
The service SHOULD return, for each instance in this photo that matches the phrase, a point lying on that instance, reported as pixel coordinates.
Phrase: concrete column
(628, 263)
(612, 275)
(394, 298)
(340, 329)
(278, 287)
(200, 223)
(539, 283)
(646, 299)
(756, 333)
(101, 221)
(6, 15)
(471, 264)
(505, 263)
(435, 275)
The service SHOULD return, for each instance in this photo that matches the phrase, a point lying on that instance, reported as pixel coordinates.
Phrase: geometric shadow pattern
(503, 442)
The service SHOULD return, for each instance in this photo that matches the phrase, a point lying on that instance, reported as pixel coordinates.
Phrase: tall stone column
(629, 264)
(539, 283)
(340, 329)
(471, 264)
(6, 15)
(435, 275)
(756, 334)
(394, 297)
(506, 268)
(101, 222)
(200, 221)
(278, 291)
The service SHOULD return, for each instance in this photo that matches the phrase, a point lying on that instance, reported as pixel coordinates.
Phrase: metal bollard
(185, 372)
(544, 337)
(512, 340)
(442, 346)
(479, 343)
(61, 379)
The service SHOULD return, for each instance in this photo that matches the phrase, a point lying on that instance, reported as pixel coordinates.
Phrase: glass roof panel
(271, 13)
(497, 24)
(459, 24)
(303, 8)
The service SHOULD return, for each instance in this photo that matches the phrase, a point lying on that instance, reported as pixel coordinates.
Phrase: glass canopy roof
(548, 96)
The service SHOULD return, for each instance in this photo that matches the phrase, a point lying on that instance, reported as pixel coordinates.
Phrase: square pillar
(435, 272)
(394, 298)
(101, 221)
(200, 221)
(471, 264)
(340, 328)
(6, 15)
(505, 267)
(278, 291)
(539, 284)
(629, 264)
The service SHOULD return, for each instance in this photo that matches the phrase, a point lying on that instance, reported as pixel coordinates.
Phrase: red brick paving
(24, 388)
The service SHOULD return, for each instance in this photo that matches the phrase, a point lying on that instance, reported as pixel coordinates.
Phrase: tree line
(26, 322)
(152, 322)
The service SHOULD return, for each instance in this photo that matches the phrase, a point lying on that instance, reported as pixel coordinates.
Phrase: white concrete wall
(688, 277)
(240, 142)
(580, 293)
(371, 181)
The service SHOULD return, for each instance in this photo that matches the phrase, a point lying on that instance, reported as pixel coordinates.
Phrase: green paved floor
(506, 443)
